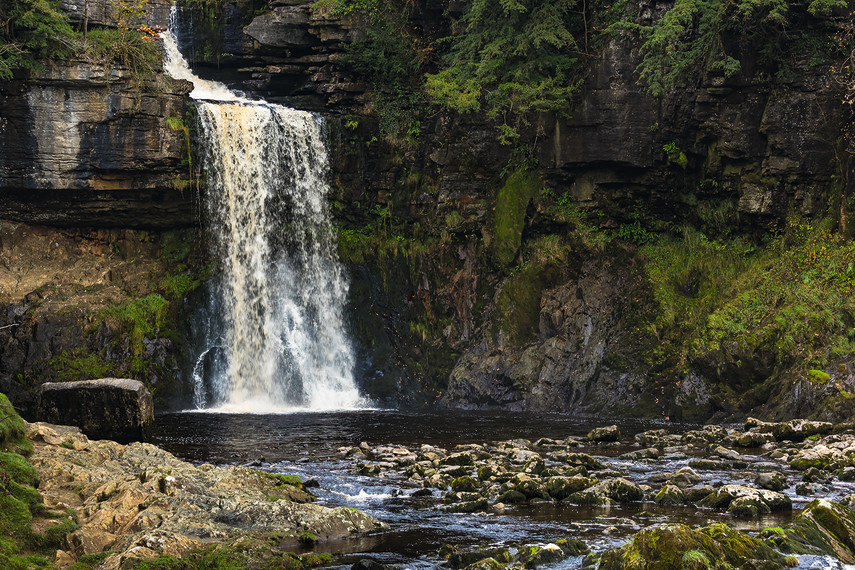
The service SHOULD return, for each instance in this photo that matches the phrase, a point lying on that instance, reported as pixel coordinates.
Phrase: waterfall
(280, 292)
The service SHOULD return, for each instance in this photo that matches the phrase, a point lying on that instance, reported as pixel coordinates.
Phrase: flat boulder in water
(604, 434)
(618, 490)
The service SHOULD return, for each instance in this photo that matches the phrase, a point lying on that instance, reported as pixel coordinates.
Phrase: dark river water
(306, 444)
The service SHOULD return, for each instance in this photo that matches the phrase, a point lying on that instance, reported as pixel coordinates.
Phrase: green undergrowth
(12, 432)
(745, 313)
(20, 502)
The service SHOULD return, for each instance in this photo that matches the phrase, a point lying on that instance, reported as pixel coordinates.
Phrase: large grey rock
(109, 408)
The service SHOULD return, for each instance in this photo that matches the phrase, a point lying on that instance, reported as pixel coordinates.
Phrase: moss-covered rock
(464, 484)
(604, 434)
(750, 501)
(618, 490)
(560, 488)
(12, 431)
(676, 547)
(822, 527)
(670, 495)
(518, 190)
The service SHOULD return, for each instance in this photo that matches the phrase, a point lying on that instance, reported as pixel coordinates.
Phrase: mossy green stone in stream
(464, 484)
(675, 547)
(822, 527)
(511, 203)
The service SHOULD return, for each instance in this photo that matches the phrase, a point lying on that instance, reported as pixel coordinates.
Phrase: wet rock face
(87, 145)
(110, 408)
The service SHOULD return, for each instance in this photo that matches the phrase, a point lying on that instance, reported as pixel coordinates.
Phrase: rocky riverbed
(800, 470)
(764, 495)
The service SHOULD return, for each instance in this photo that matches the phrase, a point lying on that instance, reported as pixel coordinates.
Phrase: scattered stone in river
(609, 492)
(670, 495)
(751, 501)
(799, 430)
(775, 481)
(605, 434)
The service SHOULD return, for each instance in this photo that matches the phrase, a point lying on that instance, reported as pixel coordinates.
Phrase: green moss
(818, 376)
(509, 221)
(142, 318)
(695, 560)
(15, 517)
(80, 364)
(19, 469)
(517, 311)
(12, 432)
(90, 561)
(674, 547)
(280, 479)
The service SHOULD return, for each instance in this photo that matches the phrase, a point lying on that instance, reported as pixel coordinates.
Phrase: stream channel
(308, 445)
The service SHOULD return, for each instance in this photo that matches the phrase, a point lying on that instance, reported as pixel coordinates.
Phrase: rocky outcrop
(139, 502)
(89, 145)
(108, 408)
(106, 13)
(63, 293)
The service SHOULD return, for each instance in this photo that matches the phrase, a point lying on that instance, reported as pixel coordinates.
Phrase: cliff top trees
(32, 29)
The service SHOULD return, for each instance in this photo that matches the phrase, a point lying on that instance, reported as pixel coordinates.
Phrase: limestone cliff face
(88, 145)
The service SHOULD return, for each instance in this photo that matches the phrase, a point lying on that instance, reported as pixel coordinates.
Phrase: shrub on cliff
(31, 30)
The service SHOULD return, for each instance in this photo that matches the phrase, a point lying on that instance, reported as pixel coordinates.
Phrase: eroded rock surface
(140, 501)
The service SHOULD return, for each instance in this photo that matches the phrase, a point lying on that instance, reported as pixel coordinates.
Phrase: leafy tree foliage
(32, 29)
(511, 58)
(695, 36)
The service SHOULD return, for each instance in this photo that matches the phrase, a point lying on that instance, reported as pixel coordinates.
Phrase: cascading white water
(281, 291)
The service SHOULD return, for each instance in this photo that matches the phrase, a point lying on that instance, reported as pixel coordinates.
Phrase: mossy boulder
(512, 496)
(604, 434)
(572, 547)
(534, 556)
(468, 558)
(465, 484)
(486, 564)
(799, 430)
(670, 495)
(560, 488)
(676, 547)
(618, 490)
(763, 500)
(773, 481)
(822, 527)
